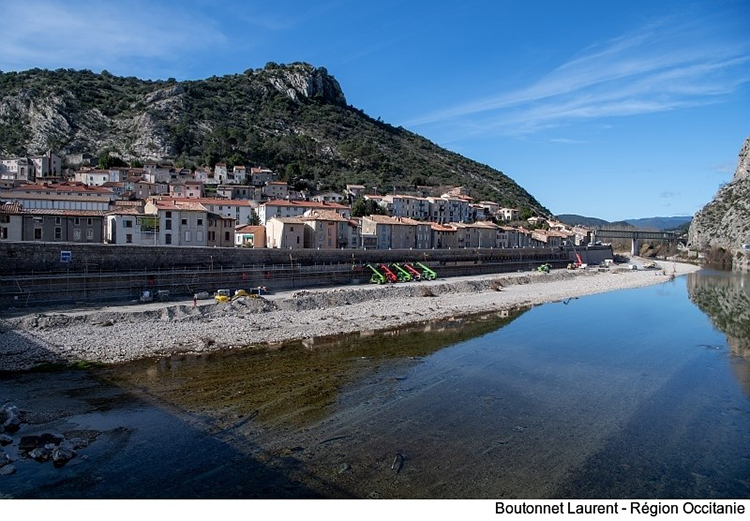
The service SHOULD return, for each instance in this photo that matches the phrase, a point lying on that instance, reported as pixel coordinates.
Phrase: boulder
(29, 443)
(5, 440)
(7, 470)
(62, 454)
(41, 454)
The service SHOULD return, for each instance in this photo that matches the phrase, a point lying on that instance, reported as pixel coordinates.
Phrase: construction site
(59, 275)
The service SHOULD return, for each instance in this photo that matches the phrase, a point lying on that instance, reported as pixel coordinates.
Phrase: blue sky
(608, 109)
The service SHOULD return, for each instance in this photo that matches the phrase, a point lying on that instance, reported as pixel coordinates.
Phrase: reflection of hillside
(297, 383)
(725, 298)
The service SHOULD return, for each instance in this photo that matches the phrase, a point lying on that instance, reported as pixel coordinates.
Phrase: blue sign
(65, 256)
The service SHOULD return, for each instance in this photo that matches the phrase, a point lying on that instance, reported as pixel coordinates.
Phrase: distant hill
(572, 219)
(291, 118)
(644, 223)
(660, 223)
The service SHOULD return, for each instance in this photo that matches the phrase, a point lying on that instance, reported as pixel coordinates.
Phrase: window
(184, 222)
(58, 233)
(169, 215)
(168, 238)
(89, 221)
(4, 218)
(200, 222)
(90, 234)
(77, 234)
(77, 221)
(127, 223)
(129, 238)
(168, 224)
(199, 236)
(57, 220)
(297, 239)
(187, 235)
(3, 233)
(226, 236)
(37, 234)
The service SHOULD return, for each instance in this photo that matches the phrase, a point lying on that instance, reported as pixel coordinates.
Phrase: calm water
(638, 393)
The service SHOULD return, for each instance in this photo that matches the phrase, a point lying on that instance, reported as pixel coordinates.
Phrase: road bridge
(634, 235)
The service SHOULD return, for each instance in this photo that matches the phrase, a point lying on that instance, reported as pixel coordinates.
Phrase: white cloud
(663, 66)
(94, 35)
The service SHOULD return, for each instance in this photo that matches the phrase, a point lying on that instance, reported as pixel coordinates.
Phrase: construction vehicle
(414, 273)
(578, 264)
(427, 273)
(403, 275)
(222, 295)
(544, 268)
(377, 277)
(392, 277)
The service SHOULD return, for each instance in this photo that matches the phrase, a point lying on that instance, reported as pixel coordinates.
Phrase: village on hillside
(163, 205)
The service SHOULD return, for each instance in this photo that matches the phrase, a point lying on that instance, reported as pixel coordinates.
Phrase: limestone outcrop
(723, 225)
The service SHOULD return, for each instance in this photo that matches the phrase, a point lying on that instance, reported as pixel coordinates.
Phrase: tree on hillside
(107, 161)
(362, 207)
(253, 219)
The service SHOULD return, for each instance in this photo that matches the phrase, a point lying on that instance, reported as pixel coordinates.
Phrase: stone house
(11, 222)
(276, 190)
(250, 236)
(285, 233)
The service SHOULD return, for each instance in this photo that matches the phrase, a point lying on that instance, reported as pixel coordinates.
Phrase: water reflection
(295, 383)
(725, 298)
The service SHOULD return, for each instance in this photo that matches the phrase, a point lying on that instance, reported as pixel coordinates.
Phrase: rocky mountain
(292, 118)
(722, 227)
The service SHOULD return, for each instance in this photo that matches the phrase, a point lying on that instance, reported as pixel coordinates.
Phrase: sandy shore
(113, 335)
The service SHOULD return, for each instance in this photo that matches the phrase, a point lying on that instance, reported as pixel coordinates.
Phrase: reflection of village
(163, 205)
(294, 383)
(725, 298)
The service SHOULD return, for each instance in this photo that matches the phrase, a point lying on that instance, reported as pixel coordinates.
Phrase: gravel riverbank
(115, 335)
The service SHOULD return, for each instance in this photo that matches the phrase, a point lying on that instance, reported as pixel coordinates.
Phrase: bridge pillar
(636, 248)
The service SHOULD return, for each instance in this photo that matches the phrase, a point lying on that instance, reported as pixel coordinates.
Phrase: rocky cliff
(291, 118)
(723, 225)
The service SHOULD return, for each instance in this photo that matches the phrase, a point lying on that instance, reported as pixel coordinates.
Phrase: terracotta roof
(249, 228)
(407, 220)
(63, 187)
(208, 200)
(182, 205)
(69, 213)
(306, 204)
(441, 228)
(128, 210)
(95, 198)
(322, 215)
(10, 208)
(289, 220)
(384, 219)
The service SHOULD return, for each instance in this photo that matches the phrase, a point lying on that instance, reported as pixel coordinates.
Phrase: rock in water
(5, 440)
(7, 470)
(29, 443)
(62, 454)
(41, 454)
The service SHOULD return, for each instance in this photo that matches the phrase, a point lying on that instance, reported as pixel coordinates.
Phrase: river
(641, 393)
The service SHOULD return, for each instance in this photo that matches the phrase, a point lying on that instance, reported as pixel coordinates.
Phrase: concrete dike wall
(54, 274)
